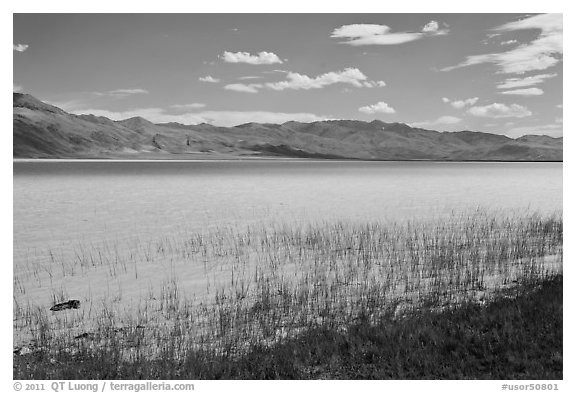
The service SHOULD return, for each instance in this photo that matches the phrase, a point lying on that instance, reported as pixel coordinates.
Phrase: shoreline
(449, 344)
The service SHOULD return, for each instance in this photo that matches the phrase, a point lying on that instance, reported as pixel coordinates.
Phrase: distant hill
(41, 130)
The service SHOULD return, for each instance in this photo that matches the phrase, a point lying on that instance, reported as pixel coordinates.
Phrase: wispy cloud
(16, 88)
(543, 52)
(371, 34)
(443, 120)
(208, 79)
(533, 91)
(219, 118)
(242, 78)
(379, 107)
(194, 105)
(20, 47)
(513, 83)
(498, 110)
(509, 42)
(246, 57)
(121, 93)
(459, 104)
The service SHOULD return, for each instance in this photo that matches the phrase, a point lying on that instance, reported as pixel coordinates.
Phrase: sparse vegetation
(473, 296)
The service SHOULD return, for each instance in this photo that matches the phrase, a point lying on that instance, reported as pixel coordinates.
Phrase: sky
(498, 73)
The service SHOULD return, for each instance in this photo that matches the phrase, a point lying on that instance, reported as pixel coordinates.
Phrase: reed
(224, 293)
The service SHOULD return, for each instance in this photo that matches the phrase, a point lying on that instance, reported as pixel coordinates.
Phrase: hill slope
(44, 131)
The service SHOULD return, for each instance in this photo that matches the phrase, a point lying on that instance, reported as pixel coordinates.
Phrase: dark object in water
(85, 335)
(66, 305)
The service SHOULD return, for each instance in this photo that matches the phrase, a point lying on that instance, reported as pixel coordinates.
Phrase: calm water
(58, 205)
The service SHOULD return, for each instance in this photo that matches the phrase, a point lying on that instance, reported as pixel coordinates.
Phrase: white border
(299, 6)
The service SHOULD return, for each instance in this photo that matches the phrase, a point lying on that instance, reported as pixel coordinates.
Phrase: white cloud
(20, 47)
(219, 118)
(370, 34)
(121, 92)
(498, 110)
(295, 81)
(533, 91)
(509, 42)
(208, 79)
(375, 84)
(380, 107)
(443, 120)
(512, 83)
(224, 118)
(245, 57)
(194, 105)
(462, 103)
(543, 52)
(242, 78)
(250, 88)
(430, 27)
(350, 76)
(447, 120)
(459, 104)
(16, 88)
(359, 31)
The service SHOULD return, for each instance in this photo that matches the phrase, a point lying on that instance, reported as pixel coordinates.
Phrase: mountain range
(41, 130)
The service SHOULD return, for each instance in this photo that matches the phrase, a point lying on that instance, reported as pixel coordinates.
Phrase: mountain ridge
(41, 130)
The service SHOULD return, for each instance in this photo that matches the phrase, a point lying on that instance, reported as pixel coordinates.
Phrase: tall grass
(228, 291)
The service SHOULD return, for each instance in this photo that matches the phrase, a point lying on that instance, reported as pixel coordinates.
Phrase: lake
(58, 205)
(127, 238)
